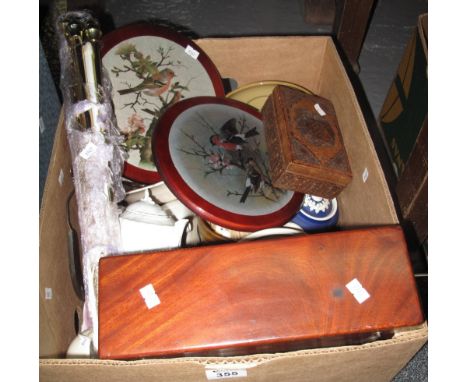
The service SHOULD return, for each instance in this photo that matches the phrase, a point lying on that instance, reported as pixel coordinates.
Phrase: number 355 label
(224, 373)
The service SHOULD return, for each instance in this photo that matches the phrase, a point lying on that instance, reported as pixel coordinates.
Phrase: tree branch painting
(232, 149)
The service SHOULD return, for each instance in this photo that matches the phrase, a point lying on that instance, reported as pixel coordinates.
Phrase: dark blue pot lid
(318, 209)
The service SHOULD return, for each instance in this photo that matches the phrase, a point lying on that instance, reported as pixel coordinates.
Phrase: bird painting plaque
(150, 69)
(211, 152)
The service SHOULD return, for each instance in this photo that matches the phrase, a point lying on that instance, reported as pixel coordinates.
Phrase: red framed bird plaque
(152, 68)
(211, 152)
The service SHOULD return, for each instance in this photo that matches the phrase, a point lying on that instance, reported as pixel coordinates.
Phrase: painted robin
(154, 86)
(230, 138)
(254, 180)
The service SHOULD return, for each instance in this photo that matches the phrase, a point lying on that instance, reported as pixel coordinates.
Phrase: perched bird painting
(232, 152)
(254, 179)
(154, 86)
(230, 138)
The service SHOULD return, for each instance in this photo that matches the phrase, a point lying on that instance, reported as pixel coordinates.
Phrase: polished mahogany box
(263, 296)
(305, 145)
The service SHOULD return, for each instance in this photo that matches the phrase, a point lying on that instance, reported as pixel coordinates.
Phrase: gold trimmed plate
(256, 93)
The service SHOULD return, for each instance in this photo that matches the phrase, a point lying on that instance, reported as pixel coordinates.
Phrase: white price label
(192, 52)
(319, 109)
(149, 295)
(358, 291)
(61, 177)
(225, 373)
(365, 175)
(89, 150)
(48, 293)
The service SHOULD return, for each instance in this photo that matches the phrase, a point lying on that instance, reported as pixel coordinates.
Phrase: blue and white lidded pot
(316, 213)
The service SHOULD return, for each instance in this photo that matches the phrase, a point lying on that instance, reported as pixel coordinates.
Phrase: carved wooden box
(262, 296)
(305, 145)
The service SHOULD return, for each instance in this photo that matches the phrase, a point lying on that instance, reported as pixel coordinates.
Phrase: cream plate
(270, 232)
(255, 94)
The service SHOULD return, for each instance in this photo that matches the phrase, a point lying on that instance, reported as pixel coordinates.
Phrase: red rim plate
(121, 34)
(187, 195)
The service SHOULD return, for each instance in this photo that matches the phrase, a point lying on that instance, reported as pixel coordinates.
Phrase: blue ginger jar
(317, 214)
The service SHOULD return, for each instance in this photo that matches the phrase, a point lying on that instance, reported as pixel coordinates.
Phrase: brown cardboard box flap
(347, 363)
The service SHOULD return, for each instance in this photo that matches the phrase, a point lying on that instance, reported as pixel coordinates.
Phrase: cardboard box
(405, 108)
(312, 62)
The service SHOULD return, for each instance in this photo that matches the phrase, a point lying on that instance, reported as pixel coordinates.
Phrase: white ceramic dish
(271, 232)
(158, 192)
